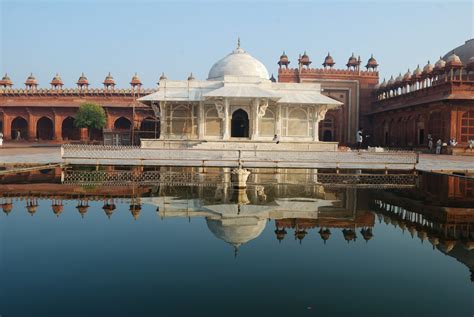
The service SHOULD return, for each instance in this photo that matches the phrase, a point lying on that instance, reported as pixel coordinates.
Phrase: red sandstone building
(352, 86)
(437, 100)
(38, 114)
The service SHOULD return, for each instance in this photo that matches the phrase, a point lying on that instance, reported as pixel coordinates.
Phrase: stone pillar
(57, 127)
(84, 134)
(31, 127)
(254, 118)
(163, 121)
(315, 127)
(226, 135)
(278, 127)
(7, 127)
(202, 121)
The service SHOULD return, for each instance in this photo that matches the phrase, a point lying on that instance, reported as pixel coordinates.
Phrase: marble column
(278, 130)
(226, 119)
(163, 121)
(201, 120)
(254, 118)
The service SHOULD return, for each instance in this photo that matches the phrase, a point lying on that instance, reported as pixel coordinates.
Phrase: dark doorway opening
(19, 129)
(44, 129)
(69, 131)
(122, 123)
(421, 136)
(327, 136)
(150, 128)
(240, 124)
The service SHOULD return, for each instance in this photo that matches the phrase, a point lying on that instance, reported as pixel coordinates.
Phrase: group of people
(452, 143)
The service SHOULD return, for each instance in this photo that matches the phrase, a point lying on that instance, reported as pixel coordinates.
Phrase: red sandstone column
(84, 135)
(57, 128)
(32, 127)
(7, 127)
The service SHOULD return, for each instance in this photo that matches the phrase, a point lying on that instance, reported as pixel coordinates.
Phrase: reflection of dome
(57, 209)
(325, 234)
(464, 51)
(7, 207)
(236, 231)
(238, 63)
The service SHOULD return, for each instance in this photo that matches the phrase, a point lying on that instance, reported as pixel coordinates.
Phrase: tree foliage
(90, 116)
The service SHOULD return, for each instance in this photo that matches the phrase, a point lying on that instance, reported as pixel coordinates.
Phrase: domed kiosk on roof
(6, 81)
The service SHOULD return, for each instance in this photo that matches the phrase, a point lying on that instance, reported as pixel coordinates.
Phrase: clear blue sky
(150, 37)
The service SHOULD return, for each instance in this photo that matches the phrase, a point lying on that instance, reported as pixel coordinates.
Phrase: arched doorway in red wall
(69, 131)
(122, 123)
(150, 128)
(44, 129)
(19, 129)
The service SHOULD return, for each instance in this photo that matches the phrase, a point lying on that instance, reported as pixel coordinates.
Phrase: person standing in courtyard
(439, 143)
(430, 143)
(359, 138)
(1, 138)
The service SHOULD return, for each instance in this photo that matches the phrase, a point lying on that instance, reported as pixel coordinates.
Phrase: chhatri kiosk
(238, 104)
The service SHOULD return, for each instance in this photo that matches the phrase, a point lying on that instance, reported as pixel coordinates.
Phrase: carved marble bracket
(156, 109)
(321, 113)
(262, 107)
(220, 105)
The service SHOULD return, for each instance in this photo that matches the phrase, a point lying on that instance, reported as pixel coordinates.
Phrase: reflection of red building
(48, 114)
(436, 100)
(352, 86)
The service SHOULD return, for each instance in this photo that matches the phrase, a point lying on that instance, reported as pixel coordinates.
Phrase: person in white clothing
(359, 138)
(430, 143)
(439, 143)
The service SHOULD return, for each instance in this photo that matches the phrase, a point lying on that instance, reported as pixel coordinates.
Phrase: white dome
(236, 233)
(238, 63)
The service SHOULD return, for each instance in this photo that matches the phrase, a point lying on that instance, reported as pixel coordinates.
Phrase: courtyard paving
(47, 155)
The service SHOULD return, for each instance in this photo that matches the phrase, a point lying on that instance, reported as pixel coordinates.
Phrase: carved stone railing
(100, 154)
(124, 178)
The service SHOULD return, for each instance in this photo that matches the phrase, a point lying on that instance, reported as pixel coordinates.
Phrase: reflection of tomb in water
(239, 216)
(301, 202)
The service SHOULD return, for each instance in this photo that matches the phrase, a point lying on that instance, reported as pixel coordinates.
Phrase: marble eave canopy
(282, 93)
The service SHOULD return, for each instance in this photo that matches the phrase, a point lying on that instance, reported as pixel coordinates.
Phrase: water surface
(186, 243)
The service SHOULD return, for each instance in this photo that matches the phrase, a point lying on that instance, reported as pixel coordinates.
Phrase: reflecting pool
(160, 241)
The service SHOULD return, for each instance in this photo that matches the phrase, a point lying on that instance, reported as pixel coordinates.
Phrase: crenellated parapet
(328, 71)
(92, 92)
